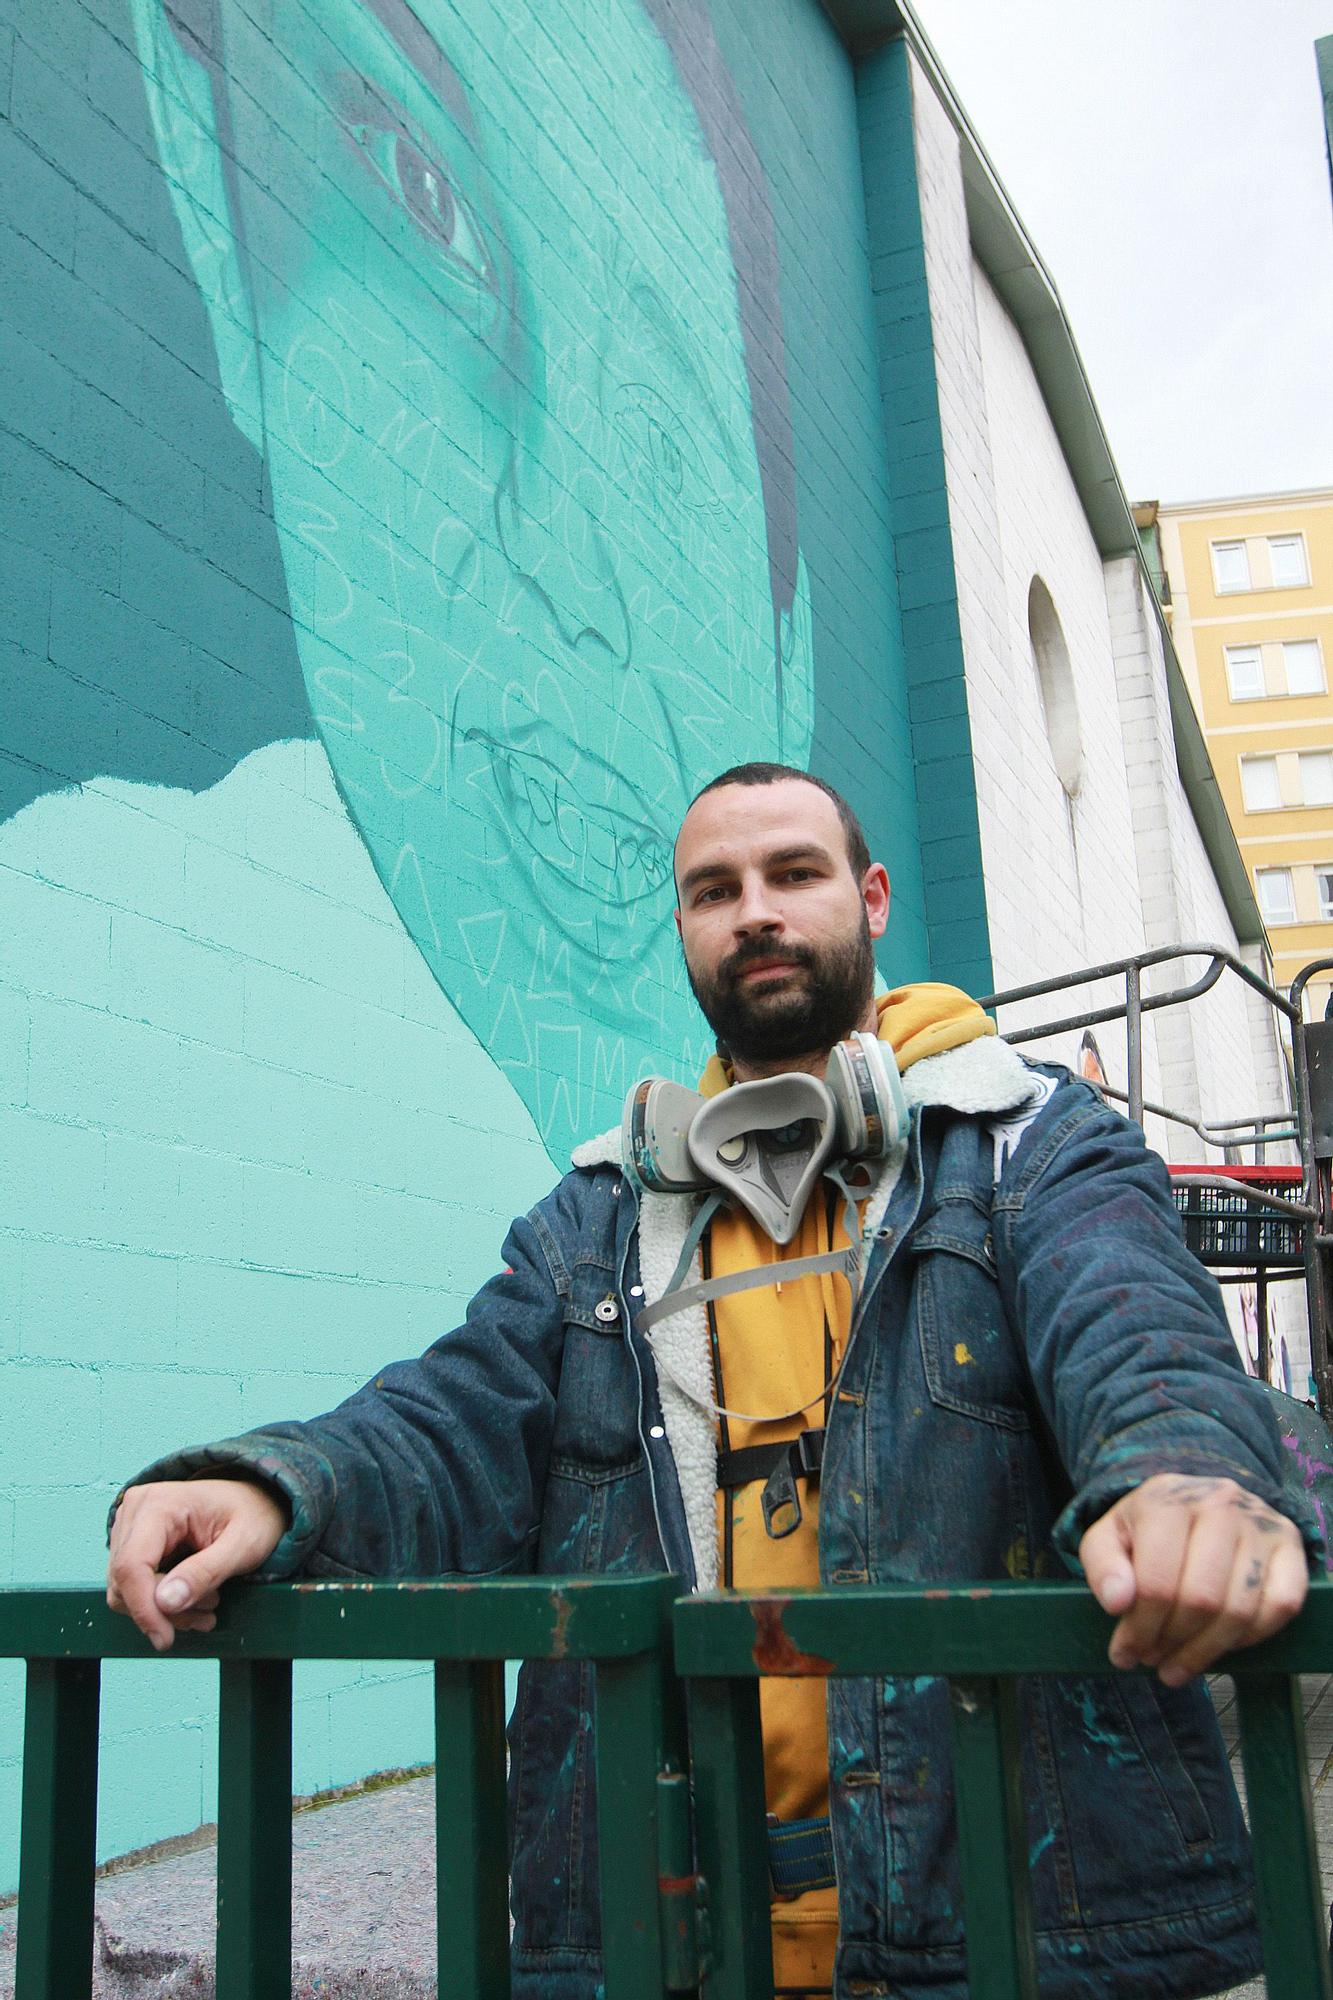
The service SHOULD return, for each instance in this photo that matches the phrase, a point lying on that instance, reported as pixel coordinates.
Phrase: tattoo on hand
(1255, 1575)
(1187, 1489)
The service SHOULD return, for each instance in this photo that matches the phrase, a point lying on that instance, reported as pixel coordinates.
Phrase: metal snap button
(606, 1310)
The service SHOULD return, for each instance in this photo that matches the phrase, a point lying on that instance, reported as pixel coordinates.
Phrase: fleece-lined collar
(984, 1077)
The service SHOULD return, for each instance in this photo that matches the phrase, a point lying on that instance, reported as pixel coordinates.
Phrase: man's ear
(184, 111)
(875, 895)
(796, 707)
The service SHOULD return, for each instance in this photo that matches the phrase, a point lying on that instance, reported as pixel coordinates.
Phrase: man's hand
(1192, 1568)
(231, 1525)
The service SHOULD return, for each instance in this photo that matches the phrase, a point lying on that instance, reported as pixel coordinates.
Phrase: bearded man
(990, 1354)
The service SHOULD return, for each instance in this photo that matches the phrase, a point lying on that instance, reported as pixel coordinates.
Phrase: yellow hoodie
(775, 1349)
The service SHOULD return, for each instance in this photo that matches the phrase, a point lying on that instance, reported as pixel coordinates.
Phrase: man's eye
(424, 189)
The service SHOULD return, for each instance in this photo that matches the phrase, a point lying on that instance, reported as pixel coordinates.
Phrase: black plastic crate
(1227, 1231)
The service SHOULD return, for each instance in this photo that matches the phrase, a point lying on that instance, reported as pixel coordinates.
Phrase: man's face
(504, 404)
(775, 927)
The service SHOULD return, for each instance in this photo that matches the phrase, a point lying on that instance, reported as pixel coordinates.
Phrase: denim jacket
(1032, 1339)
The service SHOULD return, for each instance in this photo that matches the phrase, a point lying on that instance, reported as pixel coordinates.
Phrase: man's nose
(755, 910)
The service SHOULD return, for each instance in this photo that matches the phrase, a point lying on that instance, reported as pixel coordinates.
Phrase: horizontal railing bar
(1220, 958)
(998, 1628)
(1260, 1197)
(493, 1619)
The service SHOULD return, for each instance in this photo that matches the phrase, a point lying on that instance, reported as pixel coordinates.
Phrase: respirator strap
(779, 1466)
(673, 1301)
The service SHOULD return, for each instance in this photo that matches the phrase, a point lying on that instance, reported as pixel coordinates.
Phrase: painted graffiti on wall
(398, 522)
(481, 317)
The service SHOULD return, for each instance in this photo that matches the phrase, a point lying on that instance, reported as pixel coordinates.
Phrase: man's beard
(808, 1015)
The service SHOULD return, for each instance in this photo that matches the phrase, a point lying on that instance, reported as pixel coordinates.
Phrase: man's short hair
(858, 851)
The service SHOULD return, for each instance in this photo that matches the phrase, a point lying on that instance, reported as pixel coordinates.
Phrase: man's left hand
(1192, 1568)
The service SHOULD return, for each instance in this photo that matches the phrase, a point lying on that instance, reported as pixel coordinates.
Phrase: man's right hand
(223, 1528)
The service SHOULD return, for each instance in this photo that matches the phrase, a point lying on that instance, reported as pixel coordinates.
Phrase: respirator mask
(764, 1145)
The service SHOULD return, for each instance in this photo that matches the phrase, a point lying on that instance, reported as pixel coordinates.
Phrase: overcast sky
(1167, 159)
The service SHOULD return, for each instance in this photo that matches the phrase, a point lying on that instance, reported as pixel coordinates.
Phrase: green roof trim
(1014, 267)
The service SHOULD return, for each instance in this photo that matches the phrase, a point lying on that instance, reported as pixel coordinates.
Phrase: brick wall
(409, 494)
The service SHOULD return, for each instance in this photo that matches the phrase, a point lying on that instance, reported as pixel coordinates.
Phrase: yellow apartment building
(1248, 586)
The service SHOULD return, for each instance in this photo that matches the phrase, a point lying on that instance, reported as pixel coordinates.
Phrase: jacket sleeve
(437, 1465)
(1131, 1355)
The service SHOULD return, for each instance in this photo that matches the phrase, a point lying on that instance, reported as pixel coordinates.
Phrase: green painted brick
(954, 857)
(41, 202)
(931, 584)
(948, 780)
(930, 623)
(945, 737)
(937, 701)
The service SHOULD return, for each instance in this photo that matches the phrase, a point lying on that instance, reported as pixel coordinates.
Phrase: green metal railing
(980, 1637)
(468, 1631)
(660, 1860)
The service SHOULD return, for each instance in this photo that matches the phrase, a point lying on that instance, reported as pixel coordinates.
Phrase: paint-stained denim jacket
(1032, 1339)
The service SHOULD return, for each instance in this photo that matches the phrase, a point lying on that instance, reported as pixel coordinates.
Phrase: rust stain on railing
(774, 1650)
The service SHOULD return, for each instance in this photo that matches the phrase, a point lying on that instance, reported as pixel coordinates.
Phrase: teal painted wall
(957, 928)
(436, 441)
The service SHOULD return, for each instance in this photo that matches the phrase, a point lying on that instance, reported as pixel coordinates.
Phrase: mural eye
(441, 211)
(422, 187)
(659, 449)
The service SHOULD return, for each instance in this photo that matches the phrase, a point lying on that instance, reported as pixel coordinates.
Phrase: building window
(1258, 784)
(1316, 777)
(1245, 673)
(1305, 669)
(1286, 554)
(1055, 678)
(1323, 883)
(1275, 897)
(1231, 566)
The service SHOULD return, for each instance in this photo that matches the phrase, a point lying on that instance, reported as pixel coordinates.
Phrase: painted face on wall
(473, 297)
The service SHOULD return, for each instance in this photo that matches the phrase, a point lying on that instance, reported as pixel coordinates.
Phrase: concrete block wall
(1121, 867)
(411, 490)
(914, 385)
(1014, 513)
(1220, 1056)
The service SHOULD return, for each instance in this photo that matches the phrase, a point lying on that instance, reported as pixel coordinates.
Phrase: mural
(493, 358)
(406, 507)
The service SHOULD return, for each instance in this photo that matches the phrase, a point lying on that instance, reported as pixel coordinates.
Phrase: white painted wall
(1121, 868)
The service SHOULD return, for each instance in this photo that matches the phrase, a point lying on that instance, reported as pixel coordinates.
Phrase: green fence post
(992, 1839)
(635, 1741)
(471, 1836)
(254, 1944)
(59, 1838)
(1292, 1916)
(728, 1760)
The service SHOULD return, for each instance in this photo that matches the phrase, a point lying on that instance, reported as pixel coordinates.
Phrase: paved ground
(363, 1901)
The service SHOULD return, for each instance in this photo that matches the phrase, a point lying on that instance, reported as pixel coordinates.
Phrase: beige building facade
(1248, 585)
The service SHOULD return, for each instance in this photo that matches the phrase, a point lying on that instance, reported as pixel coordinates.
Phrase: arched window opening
(1055, 677)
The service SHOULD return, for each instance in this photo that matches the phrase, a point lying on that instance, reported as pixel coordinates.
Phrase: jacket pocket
(596, 1430)
(971, 1360)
